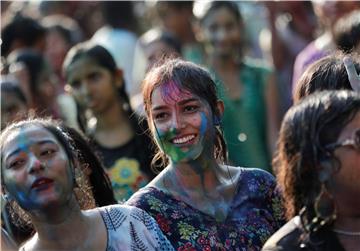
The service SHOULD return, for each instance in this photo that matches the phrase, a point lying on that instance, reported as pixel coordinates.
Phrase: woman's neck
(347, 223)
(61, 228)
(221, 64)
(347, 229)
(198, 178)
(113, 117)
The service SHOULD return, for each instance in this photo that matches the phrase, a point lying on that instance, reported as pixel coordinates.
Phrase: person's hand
(354, 77)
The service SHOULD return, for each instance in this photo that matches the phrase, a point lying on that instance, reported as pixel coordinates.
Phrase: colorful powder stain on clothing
(179, 154)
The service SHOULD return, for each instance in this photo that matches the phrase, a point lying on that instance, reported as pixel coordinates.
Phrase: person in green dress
(246, 86)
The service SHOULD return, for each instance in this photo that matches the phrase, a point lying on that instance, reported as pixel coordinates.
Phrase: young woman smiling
(198, 200)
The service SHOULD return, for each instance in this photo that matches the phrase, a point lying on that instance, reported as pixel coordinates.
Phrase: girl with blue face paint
(198, 200)
(42, 176)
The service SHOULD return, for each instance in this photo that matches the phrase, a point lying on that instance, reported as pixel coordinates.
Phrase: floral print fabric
(126, 178)
(130, 228)
(256, 213)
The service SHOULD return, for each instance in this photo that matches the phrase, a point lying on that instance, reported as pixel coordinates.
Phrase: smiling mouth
(183, 140)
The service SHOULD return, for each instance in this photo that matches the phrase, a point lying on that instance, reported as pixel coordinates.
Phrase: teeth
(183, 139)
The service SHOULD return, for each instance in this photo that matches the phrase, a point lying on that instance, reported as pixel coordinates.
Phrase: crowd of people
(159, 126)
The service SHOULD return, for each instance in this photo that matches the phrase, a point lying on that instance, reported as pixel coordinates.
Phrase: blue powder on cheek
(203, 125)
(25, 202)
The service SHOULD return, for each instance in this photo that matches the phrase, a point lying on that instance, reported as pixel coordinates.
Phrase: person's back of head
(13, 101)
(33, 61)
(119, 14)
(347, 32)
(22, 32)
(328, 73)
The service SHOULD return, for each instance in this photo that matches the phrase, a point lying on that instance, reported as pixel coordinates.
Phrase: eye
(75, 84)
(191, 108)
(16, 164)
(47, 152)
(94, 76)
(161, 116)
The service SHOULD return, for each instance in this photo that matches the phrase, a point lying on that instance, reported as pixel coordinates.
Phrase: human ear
(220, 108)
(119, 78)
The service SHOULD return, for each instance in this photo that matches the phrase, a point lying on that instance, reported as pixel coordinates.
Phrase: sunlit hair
(328, 73)
(92, 185)
(305, 131)
(185, 76)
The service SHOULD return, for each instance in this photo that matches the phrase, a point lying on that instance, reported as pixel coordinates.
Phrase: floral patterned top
(256, 213)
(129, 228)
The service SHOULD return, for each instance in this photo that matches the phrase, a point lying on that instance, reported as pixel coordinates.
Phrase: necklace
(343, 232)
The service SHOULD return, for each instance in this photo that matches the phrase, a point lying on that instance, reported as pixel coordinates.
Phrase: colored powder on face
(172, 93)
(176, 153)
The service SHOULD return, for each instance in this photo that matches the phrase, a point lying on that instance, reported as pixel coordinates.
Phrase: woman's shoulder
(251, 173)
(140, 197)
(119, 209)
(129, 226)
(286, 238)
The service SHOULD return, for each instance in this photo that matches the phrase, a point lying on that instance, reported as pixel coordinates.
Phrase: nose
(35, 164)
(220, 34)
(84, 90)
(177, 122)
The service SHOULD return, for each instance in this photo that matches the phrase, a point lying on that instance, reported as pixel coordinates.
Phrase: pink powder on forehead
(172, 93)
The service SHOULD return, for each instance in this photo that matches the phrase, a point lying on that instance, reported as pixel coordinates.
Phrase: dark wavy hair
(328, 73)
(190, 77)
(78, 150)
(305, 131)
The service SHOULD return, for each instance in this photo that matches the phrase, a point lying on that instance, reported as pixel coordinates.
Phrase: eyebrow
(20, 149)
(182, 102)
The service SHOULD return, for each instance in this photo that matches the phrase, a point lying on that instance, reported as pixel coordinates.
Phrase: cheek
(14, 183)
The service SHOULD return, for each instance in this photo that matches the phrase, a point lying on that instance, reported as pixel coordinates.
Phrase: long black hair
(77, 148)
(303, 158)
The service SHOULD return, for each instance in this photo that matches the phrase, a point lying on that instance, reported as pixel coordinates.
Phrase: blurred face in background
(93, 86)
(56, 49)
(221, 32)
(156, 50)
(47, 84)
(12, 108)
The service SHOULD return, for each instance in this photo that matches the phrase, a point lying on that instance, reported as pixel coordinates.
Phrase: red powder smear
(171, 92)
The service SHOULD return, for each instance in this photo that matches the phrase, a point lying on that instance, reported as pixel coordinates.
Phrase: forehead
(27, 136)
(219, 14)
(82, 66)
(170, 93)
